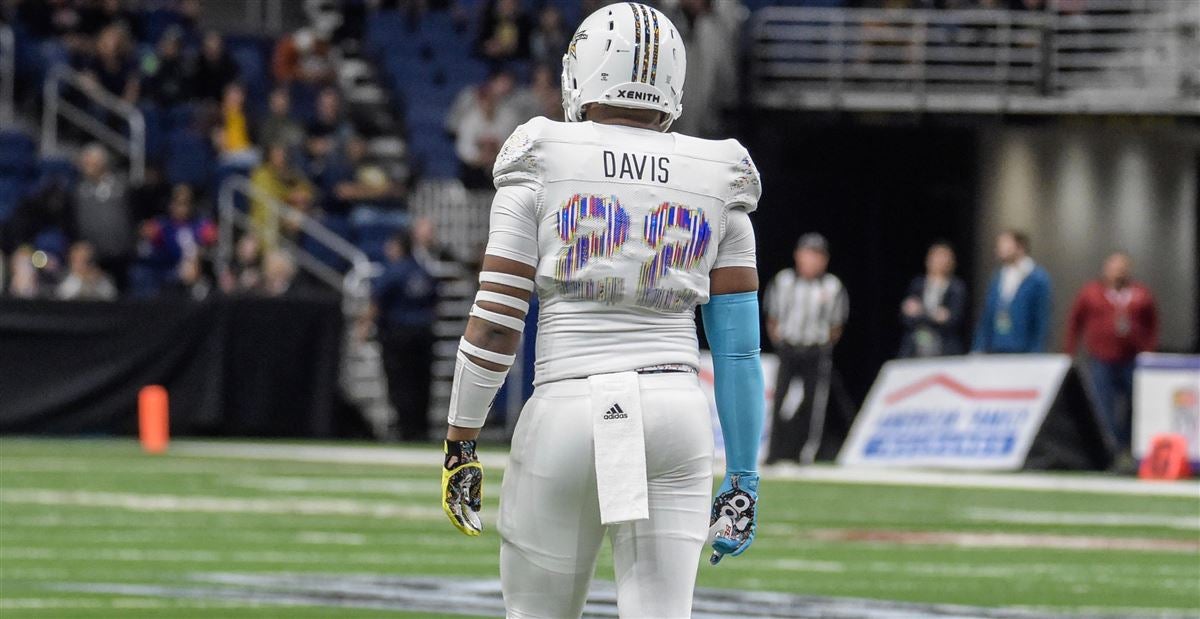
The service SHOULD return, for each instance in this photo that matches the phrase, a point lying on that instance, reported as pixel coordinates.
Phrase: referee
(806, 311)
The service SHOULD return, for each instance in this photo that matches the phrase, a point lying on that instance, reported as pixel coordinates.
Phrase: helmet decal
(637, 40)
(579, 36)
(654, 67)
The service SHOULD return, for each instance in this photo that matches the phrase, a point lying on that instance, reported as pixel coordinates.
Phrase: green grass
(65, 517)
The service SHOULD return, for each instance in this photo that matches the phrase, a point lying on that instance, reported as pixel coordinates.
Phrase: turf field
(94, 528)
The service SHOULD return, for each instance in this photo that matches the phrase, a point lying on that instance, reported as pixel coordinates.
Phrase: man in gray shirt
(102, 212)
(806, 310)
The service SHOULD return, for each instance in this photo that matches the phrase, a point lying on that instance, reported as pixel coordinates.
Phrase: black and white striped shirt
(806, 310)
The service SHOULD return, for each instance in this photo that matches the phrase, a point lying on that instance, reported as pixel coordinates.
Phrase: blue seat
(16, 154)
(223, 171)
(57, 167)
(189, 159)
(155, 136)
(11, 191)
(384, 30)
(320, 251)
(250, 55)
(179, 117)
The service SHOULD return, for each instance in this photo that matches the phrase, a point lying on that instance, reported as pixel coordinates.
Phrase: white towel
(620, 445)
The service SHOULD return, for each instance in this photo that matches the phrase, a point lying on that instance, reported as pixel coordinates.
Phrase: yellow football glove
(462, 486)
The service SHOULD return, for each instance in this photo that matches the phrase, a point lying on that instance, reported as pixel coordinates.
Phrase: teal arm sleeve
(731, 325)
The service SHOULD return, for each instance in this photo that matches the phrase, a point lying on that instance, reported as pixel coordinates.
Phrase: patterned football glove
(734, 513)
(462, 486)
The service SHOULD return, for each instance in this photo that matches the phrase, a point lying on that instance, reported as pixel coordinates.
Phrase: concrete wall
(1083, 191)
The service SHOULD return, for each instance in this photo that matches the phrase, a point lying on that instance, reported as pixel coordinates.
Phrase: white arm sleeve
(737, 244)
(512, 231)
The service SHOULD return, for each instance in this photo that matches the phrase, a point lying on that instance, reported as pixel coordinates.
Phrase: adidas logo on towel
(615, 413)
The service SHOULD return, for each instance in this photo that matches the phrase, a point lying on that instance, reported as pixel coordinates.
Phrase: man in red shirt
(1117, 319)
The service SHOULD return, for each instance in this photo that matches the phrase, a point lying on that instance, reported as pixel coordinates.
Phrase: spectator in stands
(277, 179)
(547, 93)
(244, 274)
(711, 31)
(302, 56)
(500, 85)
(1016, 314)
(180, 234)
(102, 212)
(547, 42)
(806, 309)
(402, 306)
(27, 280)
(1027, 5)
(85, 281)
(933, 311)
(504, 33)
(49, 19)
(484, 128)
(112, 69)
(164, 74)
(101, 14)
(279, 127)
(189, 282)
(425, 246)
(214, 69)
(49, 206)
(354, 179)
(279, 274)
(232, 136)
(328, 131)
(1116, 318)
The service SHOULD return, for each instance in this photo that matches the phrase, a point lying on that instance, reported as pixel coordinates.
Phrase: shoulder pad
(518, 163)
(745, 185)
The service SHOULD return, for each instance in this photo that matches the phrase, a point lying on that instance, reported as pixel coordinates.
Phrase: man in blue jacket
(1016, 315)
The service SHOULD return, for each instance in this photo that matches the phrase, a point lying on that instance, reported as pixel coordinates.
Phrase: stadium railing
(461, 218)
(1110, 56)
(133, 146)
(361, 376)
(8, 73)
(353, 284)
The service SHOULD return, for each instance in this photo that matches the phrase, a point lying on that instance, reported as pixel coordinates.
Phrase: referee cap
(814, 241)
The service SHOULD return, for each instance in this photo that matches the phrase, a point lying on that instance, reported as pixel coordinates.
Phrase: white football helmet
(625, 55)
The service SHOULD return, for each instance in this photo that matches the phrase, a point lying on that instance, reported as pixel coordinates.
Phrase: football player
(622, 229)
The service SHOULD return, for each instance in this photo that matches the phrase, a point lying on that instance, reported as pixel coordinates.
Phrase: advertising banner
(975, 412)
(1166, 399)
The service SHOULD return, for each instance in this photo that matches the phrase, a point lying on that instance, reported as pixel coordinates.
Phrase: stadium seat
(251, 55)
(189, 159)
(55, 166)
(16, 154)
(11, 190)
(155, 137)
(341, 227)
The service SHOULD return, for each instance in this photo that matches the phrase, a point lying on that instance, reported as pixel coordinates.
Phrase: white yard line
(496, 458)
(341, 485)
(1092, 519)
(214, 504)
(960, 539)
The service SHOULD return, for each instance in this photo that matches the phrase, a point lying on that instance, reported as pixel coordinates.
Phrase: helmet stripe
(654, 66)
(646, 46)
(637, 39)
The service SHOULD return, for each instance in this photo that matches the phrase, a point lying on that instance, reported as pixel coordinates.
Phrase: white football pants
(550, 515)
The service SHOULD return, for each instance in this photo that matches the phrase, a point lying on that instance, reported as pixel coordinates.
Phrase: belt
(667, 368)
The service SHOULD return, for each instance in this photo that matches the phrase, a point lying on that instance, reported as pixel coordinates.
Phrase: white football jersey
(628, 223)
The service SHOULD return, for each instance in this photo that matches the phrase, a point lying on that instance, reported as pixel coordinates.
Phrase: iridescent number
(597, 227)
(590, 227)
(692, 234)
